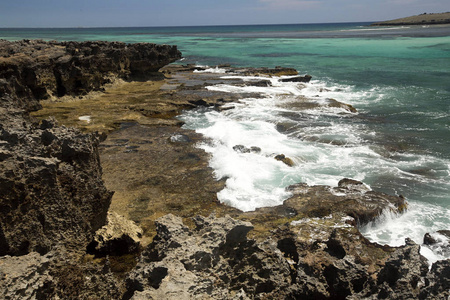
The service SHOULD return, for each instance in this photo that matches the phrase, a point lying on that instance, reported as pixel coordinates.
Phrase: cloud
(290, 4)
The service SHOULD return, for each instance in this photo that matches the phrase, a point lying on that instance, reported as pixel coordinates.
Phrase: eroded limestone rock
(118, 237)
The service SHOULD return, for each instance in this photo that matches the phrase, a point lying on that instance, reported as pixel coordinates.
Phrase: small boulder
(289, 162)
(118, 237)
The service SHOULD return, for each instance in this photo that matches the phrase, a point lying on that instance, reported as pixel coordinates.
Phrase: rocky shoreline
(61, 233)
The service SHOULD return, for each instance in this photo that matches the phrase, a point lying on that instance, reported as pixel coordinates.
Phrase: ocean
(398, 142)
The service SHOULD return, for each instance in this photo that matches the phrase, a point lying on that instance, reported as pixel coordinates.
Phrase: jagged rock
(25, 277)
(349, 198)
(400, 278)
(215, 261)
(306, 79)
(118, 237)
(286, 160)
(320, 258)
(51, 189)
(34, 70)
(437, 281)
(56, 275)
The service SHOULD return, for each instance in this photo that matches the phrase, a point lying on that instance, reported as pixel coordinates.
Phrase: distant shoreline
(423, 19)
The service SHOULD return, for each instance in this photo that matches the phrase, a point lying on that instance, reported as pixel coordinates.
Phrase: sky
(131, 13)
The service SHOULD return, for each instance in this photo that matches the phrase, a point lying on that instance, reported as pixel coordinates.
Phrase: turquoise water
(397, 78)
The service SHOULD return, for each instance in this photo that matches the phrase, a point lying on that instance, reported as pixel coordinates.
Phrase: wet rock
(286, 160)
(277, 71)
(255, 149)
(438, 242)
(437, 281)
(305, 79)
(402, 273)
(351, 184)
(118, 237)
(243, 149)
(259, 83)
(337, 104)
(180, 138)
(363, 206)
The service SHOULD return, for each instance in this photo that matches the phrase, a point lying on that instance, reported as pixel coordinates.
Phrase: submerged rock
(243, 149)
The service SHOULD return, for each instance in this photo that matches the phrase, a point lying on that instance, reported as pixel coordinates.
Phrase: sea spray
(326, 143)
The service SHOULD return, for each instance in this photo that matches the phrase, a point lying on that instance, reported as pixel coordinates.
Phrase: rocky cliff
(51, 190)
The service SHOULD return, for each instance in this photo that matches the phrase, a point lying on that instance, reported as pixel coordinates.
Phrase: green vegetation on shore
(423, 19)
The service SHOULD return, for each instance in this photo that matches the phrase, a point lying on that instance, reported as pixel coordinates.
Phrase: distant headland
(423, 19)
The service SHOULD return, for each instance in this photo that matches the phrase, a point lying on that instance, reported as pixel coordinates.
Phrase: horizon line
(175, 26)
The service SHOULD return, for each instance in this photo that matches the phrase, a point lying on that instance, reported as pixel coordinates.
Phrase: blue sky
(111, 13)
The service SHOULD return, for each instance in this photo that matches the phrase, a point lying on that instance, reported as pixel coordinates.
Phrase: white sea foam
(326, 145)
(215, 70)
(421, 218)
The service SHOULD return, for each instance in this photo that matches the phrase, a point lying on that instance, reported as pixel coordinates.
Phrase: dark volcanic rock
(277, 71)
(402, 273)
(438, 242)
(437, 281)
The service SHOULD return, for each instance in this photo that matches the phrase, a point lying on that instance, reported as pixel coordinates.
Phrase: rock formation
(35, 70)
(118, 237)
(52, 197)
(216, 260)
